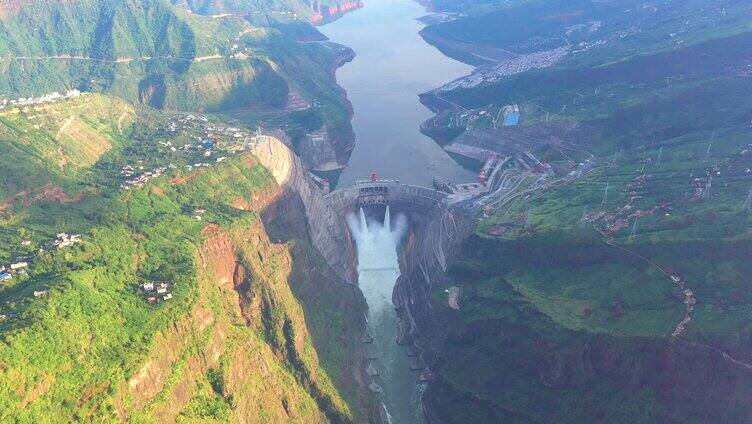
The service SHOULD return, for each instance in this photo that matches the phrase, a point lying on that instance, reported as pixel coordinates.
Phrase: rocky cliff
(250, 290)
(428, 248)
(327, 231)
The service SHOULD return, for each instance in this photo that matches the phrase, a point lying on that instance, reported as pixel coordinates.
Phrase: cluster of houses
(131, 180)
(47, 98)
(687, 295)
(204, 145)
(733, 166)
(22, 263)
(689, 299)
(62, 240)
(233, 140)
(623, 215)
(615, 223)
(156, 291)
(19, 267)
(194, 122)
(700, 188)
(513, 66)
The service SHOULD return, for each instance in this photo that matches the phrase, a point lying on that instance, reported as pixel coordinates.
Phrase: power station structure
(376, 192)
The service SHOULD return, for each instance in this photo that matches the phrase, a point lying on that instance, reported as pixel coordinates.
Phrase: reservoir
(393, 64)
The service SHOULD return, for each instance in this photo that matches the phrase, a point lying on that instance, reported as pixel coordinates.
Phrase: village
(513, 66)
(156, 291)
(189, 142)
(700, 188)
(610, 221)
(202, 145)
(22, 265)
(207, 143)
(47, 98)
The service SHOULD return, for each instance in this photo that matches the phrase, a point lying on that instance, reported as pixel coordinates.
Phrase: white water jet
(377, 242)
(378, 269)
(363, 223)
(387, 220)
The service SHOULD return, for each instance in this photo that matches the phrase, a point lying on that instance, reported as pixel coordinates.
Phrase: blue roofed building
(512, 115)
(512, 118)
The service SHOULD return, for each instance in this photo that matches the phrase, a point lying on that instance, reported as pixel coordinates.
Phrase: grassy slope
(536, 297)
(58, 143)
(71, 354)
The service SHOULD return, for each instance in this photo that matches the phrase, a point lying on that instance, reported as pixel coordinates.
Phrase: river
(392, 66)
(378, 269)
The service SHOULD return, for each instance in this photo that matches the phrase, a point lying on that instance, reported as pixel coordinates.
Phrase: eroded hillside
(192, 293)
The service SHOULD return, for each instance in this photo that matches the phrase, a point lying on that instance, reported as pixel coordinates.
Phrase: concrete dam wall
(401, 198)
(327, 214)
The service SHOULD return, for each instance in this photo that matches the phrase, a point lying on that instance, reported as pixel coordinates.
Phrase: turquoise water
(378, 269)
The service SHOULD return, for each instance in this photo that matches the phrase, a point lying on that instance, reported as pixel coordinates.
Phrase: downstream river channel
(393, 65)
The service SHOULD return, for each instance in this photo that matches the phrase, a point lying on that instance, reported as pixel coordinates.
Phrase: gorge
(391, 67)
(529, 270)
(231, 215)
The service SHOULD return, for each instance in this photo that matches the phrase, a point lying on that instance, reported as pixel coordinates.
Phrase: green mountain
(598, 31)
(244, 327)
(608, 285)
(273, 10)
(150, 52)
(261, 70)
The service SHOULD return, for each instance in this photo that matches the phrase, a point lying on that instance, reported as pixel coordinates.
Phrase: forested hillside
(316, 11)
(161, 282)
(153, 53)
(618, 291)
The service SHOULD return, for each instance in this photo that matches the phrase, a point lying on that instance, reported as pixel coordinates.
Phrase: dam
(391, 224)
(392, 65)
(377, 233)
(377, 192)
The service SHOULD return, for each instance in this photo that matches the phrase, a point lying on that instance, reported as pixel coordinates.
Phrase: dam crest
(399, 197)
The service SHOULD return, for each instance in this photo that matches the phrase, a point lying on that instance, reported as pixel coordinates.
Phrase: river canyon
(392, 66)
